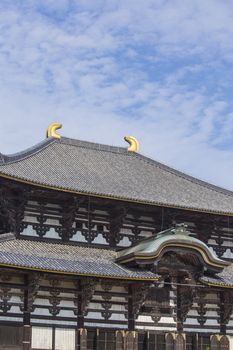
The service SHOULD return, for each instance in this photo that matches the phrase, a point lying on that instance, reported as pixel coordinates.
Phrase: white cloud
(157, 70)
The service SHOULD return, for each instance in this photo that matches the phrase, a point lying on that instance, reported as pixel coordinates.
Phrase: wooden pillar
(80, 320)
(81, 332)
(27, 331)
(195, 342)
(53, 337)
(223, 307)
(117, 216)
(131, 337)
(179, 321)
(131, 317)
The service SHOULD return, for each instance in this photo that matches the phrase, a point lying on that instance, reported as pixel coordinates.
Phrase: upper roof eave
(26, 156)
(121, 199)
(19, 156)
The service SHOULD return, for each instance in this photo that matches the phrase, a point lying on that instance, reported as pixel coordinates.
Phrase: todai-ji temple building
(102, 248)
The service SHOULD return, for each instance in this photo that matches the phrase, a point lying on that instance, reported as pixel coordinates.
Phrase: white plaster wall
(231, 343)
(65, 339)
(42, 338)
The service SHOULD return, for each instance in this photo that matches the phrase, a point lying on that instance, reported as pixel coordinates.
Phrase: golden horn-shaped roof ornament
(133, 143)
(51, 130)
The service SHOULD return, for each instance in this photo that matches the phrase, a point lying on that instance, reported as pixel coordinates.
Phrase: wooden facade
(45, 308)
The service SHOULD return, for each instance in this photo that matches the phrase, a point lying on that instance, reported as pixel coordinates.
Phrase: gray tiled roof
(64, 258)
(222, 279)
(107, 171)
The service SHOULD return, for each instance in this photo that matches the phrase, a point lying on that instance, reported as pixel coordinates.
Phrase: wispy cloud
(160, 70)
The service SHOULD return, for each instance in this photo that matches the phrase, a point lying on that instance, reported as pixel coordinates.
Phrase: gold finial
(51, 130)
(133, 143)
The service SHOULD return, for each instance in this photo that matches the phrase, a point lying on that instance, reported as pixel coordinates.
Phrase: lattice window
(91, 340)
(151, 341)
(106, 340)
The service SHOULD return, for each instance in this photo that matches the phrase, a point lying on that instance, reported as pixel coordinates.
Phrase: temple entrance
(121, 340)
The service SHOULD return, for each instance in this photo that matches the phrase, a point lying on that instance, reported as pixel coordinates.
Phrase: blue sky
(158, 70)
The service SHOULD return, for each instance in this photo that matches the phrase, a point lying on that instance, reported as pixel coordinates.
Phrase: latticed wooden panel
(180, 342)
(170, 341)
(11, 337)
(214, 343)
(131, 341)
(119, 340)
(224, 343)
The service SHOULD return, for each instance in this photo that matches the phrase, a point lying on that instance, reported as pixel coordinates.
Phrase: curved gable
(179, 241)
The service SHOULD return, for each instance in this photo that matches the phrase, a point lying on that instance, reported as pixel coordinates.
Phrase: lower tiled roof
(223, 279)
(66, 259)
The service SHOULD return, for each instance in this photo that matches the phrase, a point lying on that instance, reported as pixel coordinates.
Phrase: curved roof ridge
(93, 145)
(183, 175)
(14, 157)
(1, 158)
